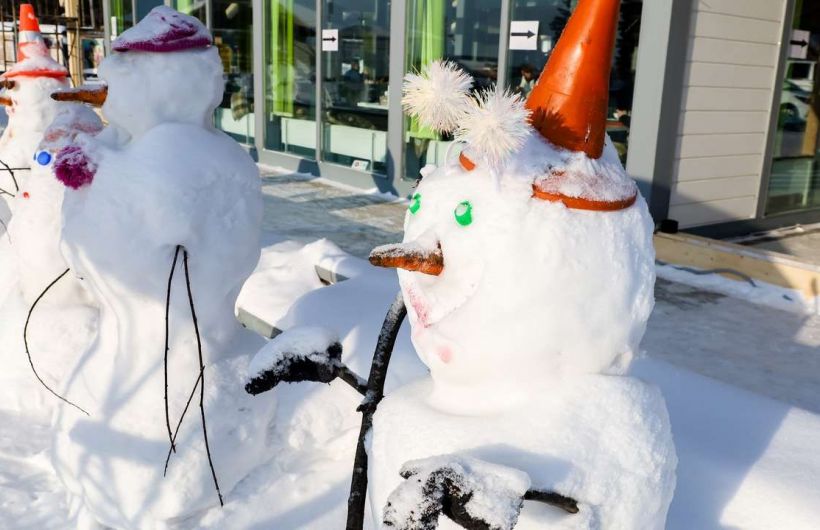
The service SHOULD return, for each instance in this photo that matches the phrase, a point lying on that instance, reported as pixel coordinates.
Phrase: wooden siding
(731, 63)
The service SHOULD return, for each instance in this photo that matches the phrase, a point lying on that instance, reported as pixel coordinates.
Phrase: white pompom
(495, 126)
(438, 95)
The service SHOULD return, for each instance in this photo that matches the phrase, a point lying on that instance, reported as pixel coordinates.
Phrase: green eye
(464, 213)
(416, 204)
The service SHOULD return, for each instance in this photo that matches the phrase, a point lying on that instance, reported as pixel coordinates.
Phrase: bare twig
(201, 375)
(165, 361)
(567, 504)
(375, 393)
(25, 343)
(179, 423)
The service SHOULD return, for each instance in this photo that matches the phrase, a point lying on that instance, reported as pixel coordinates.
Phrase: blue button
(43, 158)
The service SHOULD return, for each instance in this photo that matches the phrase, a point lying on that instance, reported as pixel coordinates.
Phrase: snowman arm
(568, 504)
(472, 493)
(289, 359)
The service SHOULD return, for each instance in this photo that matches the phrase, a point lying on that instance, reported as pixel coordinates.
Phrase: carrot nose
(410, 257)
(6, 102)
(93, 95)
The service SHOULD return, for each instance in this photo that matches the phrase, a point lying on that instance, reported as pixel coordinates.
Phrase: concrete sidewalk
(765, 350)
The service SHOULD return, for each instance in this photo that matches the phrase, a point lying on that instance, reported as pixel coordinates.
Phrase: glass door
(290, 76)
(232, 28)
(794, 182)
(355, 43)
(195, 8)
(527, 57)
(463, 31)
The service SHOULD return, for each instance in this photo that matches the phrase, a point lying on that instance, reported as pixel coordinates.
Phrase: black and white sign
(524, 35)
(330, 40)
(799, 45)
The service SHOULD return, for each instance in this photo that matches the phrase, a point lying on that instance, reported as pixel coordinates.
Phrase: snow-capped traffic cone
(569, 101)
(33, 57)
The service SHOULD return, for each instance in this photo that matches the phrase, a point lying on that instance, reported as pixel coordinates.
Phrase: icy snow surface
(745, 461)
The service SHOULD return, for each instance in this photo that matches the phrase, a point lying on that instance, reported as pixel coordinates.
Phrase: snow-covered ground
(746, 461)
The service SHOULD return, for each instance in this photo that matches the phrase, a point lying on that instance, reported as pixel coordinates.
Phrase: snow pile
(488, 493)
(164, 235)
(41, 63)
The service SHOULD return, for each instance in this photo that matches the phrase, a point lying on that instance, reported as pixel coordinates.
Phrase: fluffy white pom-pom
(495, 126)
(438, 95)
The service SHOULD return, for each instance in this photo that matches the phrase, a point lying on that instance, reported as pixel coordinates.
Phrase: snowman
(527, 267)
(161, 218)
(35, 227)
(29, 84)
(62, 322)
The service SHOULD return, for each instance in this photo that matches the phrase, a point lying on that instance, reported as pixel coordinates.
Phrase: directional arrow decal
(526, 35)
(331, 39)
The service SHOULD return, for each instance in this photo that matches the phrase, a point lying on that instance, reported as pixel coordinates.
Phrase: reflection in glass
(122, 17)
(354, 117)
(525, 65)
(794, 183)
(195, 8)
(232, 31)
(290, 76)
(463, 31)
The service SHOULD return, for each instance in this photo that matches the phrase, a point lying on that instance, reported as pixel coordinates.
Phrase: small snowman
(161, 218)
(36, 225)
(29, 84)
(527, 267)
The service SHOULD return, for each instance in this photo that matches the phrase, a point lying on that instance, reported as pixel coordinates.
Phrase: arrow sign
(524, 35)
(330, 40)
(799, 44)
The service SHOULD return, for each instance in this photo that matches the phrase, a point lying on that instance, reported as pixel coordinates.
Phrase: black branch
(28, 353)
(171, 437)
(291, 367)
(201, 380)
(374, 395)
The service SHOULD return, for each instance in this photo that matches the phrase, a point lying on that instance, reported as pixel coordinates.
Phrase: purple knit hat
(164, 30)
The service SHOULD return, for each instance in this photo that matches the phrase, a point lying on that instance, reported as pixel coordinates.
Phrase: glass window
(794, 183)
(232, 31)
(525, 65)
(355, 77)
(122, 16)
(290, 76)
(195, 8)
(463, 31)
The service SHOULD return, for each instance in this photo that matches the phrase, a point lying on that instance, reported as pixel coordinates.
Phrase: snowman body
(527, 331)
(162, 177)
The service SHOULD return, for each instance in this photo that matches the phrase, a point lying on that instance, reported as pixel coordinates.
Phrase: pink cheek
(445, 354)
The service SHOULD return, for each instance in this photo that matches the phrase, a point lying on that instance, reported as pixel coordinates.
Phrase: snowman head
(164, 69)
(527, 259)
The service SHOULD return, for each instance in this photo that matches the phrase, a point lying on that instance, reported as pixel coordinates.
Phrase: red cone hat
(33, 57)
(569, 101)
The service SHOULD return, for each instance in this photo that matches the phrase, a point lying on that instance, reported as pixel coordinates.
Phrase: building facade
(714, 105)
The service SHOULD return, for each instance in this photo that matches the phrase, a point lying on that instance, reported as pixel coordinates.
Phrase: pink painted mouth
(419, 306)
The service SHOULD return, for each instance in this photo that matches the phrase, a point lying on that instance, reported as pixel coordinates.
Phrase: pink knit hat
(164, 30)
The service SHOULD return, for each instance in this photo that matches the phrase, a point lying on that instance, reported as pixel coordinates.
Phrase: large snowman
(29, 84)
(528, 270)
(161, 217)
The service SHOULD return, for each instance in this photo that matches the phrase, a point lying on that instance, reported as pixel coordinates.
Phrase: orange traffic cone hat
(33, 57)
(569, 101)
